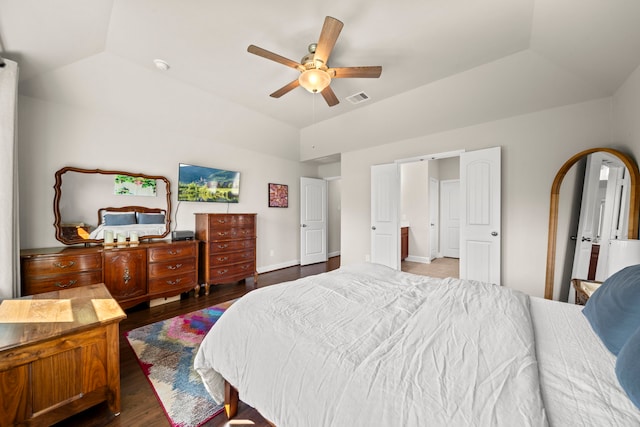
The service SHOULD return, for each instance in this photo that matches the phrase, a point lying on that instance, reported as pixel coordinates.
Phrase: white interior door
(385, 205)
(480, 215)
(434, 220)
(450, 218)
(313, 220)
(589, 215)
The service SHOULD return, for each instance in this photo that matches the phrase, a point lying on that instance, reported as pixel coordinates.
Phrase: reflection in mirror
(83, 194)
(598, 202)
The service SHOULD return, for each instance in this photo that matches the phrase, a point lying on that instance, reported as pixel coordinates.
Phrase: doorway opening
(430, 215)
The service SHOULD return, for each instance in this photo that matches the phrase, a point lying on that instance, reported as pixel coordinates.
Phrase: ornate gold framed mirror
(633, 202)
(91, 204)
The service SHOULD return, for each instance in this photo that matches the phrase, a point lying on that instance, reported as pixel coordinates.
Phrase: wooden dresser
(59, 355)
(227, 247)
(133, 274)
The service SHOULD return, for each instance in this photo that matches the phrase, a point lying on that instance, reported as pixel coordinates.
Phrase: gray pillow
(150, 218)
(120, 219)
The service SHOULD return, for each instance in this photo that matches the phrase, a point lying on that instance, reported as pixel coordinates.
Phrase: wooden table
(59, 355)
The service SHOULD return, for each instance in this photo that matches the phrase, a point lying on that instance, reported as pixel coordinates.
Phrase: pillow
(628, 368)
(150, 218)
(113, 213)
(614, 308)
(120, 219)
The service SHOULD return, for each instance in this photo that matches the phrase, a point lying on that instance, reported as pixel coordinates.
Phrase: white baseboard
(420, 259)
(272, 267)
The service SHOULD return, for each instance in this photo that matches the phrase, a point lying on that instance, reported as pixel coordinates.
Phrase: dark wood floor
(140, 406)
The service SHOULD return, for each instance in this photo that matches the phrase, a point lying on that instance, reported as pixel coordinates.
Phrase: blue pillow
(120, 219)
(614, 308)
(628, 368)
(146, 218)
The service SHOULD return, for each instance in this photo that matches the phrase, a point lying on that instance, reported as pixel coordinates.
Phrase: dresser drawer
(62, 281)
(231, 273)
(172, 252)
(176, 282)
(232, 233)
(53, 265)
(233, 245)
(231, 220)
(216, 260)
(170, 268)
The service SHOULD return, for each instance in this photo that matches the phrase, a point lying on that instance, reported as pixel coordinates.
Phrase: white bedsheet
(437, 353)
(577, 372)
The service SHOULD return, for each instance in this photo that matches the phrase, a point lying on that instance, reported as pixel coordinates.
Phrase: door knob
(586, 239)
(303, 225)
(494, 233)
(373, 227)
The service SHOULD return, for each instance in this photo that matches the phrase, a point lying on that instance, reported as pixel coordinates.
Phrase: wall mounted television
(204, 184)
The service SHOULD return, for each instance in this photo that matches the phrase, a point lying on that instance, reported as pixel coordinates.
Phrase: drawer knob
(222, 258)
(174, 252)
(61, 265)
(173, 282)
(221, 272)
(222, 246)
(174, 267)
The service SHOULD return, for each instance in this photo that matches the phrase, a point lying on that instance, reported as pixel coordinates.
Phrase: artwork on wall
(134, 186)
(278, 195)
(205, 184)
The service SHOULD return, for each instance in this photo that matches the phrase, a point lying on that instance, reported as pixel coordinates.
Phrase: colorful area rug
(166, 351)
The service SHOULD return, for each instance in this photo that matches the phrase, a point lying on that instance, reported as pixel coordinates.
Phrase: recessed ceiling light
(161, 65)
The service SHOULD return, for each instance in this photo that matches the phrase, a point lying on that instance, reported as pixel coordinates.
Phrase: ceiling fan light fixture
(314, 80)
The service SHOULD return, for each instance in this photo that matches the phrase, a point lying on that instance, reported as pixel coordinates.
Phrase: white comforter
(369, 346)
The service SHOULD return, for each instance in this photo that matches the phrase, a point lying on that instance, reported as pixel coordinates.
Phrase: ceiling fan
(315, 74)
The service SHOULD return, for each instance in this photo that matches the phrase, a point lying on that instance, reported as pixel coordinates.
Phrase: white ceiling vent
(358, 98)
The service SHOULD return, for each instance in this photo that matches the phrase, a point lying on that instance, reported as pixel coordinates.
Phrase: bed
(146, 222)
(368, 345)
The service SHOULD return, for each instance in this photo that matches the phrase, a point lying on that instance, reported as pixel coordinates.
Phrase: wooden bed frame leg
(230, 400)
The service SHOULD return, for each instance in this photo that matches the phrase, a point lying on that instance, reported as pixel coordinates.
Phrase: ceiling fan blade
(329, 96)
(285, 89)
(348, 72)
(328, 36)
(273, 56)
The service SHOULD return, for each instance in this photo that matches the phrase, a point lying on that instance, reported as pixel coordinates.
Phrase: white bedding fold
(367, 345)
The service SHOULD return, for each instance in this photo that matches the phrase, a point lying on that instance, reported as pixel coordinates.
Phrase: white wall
(626, 114)
(414, 207)
(534, 146)
(52, 136)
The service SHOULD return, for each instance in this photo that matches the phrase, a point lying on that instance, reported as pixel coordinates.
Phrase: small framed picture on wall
(278, 195)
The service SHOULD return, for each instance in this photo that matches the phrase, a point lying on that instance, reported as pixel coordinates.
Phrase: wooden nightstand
(584, 289)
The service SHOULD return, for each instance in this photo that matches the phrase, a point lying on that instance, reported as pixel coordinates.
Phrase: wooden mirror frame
(634, 206)
(58, 194)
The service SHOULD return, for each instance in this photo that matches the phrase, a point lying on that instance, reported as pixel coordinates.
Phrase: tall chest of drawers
(227, 247)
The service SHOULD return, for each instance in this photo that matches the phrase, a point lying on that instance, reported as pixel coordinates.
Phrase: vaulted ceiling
(98, 54)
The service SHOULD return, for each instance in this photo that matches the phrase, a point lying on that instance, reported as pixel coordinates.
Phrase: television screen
(202, 184)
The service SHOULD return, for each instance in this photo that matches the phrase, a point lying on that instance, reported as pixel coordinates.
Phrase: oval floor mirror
(606, 206)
